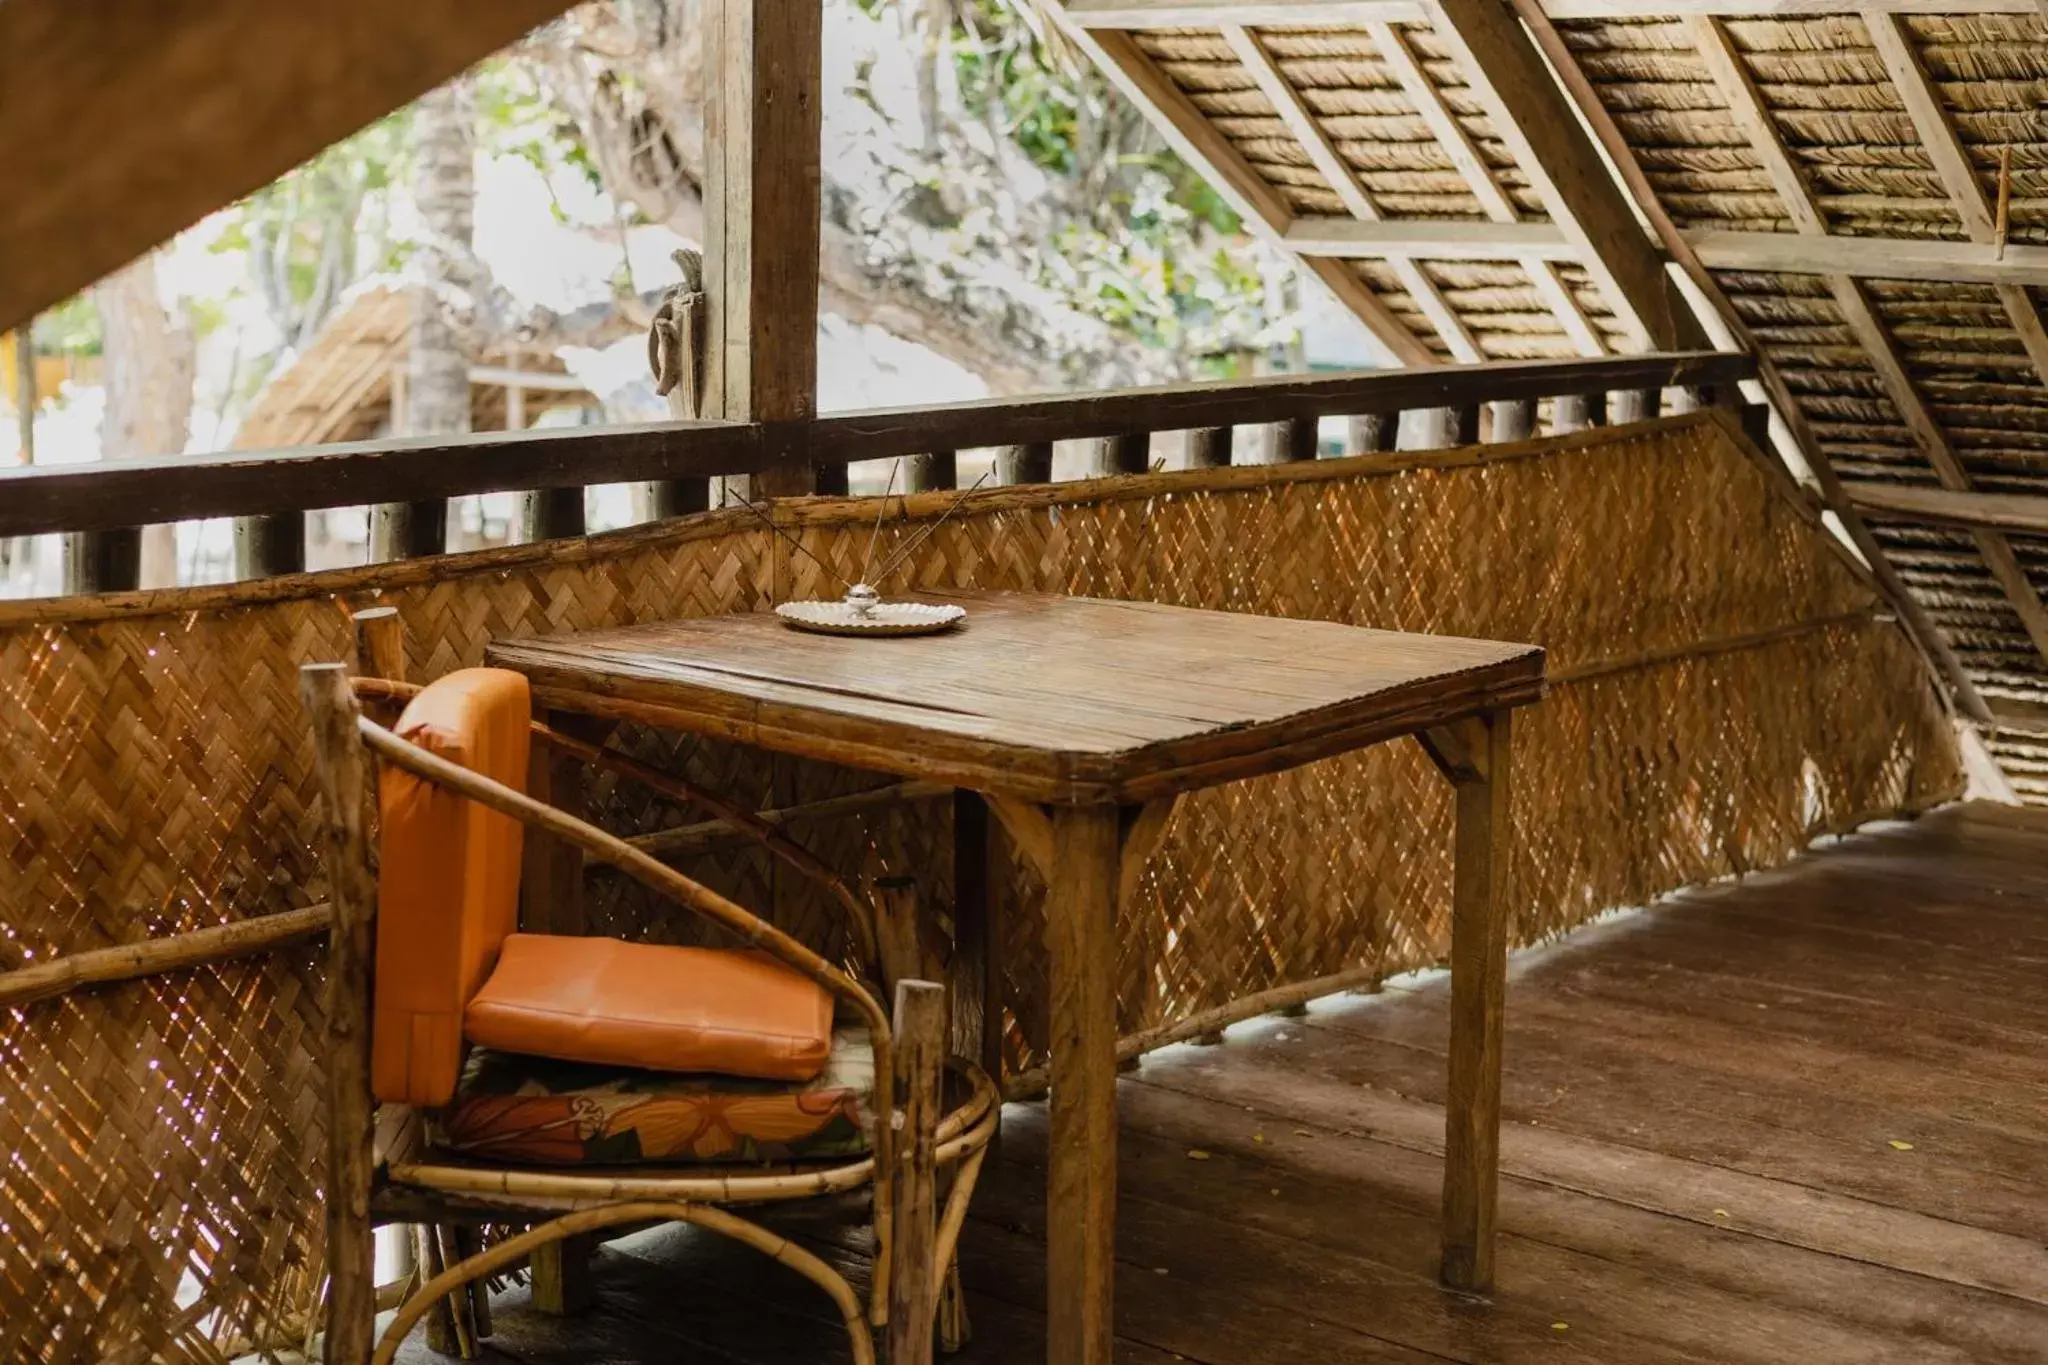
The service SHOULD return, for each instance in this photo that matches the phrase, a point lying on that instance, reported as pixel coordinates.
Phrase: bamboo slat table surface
(1080, 721)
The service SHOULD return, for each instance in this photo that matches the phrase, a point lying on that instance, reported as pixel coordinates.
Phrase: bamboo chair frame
(581, 1203)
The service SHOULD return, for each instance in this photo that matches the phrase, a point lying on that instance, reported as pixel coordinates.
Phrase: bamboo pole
(172, 953)
(913, 1281)
(351, 1111)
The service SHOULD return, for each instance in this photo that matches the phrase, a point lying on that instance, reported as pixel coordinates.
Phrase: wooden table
(1081, 721)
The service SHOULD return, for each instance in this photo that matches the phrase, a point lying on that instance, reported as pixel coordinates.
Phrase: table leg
(1080, 1231)
(1479, 945)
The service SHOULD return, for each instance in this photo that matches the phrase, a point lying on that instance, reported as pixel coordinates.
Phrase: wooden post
(1025, 464)
(103, 561)
(923, 473)
(896, 930)
(1514, 419)
(762, 72)
(1127, 454)
(25, 391)
(561, 1276)
(974, 930)
(1577, 411)
(380, 644)
(920, 1036)
(1368, 433)
(343, 772)
(270, 545)
(1206, 447)
(1474, 755)
(443, 1338)
(1080, 933)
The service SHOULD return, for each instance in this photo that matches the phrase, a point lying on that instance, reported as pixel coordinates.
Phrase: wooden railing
(105, 505)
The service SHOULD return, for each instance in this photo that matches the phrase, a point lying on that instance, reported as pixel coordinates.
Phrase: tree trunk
(437, 369)
(150, 359)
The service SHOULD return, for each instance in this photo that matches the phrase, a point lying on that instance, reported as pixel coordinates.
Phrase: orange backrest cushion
(658, 1006)
(447, 880)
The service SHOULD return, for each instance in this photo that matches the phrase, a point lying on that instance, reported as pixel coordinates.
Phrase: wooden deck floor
(1802, 1118)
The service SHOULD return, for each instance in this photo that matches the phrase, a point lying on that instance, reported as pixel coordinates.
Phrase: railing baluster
(934, 469)
(1127, 454)
(551, 514)
(1633, 405)
(408, 530)
(1465, 425)
(1025, 464)
(1514, 419)
(1206, 447)
(265, 546)
(1288, 441)
(1577, 411)
(103, 561)
(1369, 433)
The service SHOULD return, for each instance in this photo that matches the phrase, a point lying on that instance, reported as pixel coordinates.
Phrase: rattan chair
(391, 1161)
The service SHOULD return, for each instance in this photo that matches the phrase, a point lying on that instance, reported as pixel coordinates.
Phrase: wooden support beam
(1958, 175)
(1323, 155)
(1434, 239)
(136, 118)
(762, 201)
(343, 769)
(1479, 177)
(1531, 115)
(1892, 258)
(1802, 447)
(2017, 513)
(1196, 140)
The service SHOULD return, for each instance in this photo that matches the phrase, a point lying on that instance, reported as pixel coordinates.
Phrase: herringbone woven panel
(1723, 690)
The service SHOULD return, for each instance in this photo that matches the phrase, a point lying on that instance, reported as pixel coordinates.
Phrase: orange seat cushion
(655, 1006)
(447, 880)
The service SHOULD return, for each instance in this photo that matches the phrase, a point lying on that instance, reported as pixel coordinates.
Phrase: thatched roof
(1892, 131)
(340, 387)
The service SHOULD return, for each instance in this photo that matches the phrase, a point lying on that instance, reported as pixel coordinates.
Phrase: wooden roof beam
(1795, 435)
(1323, 154)
(1958, 176)
(1479, 177)
(1257, 203)
(123, 122)
(1531, 115)
(2018, 513)
(1890, 258)
(1153, 14)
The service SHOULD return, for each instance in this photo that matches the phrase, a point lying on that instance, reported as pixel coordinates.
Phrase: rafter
(1322, 153)
(1152, 14)
(1747, 106)
(1530, 114)
(1190, 135)
(1479, 177)
(1795, 436)
(1952, 163)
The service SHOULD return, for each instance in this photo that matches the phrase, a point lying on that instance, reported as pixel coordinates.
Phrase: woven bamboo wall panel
(1724, 690)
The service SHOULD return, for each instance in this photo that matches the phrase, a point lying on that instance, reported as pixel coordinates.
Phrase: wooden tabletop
(1059, 699)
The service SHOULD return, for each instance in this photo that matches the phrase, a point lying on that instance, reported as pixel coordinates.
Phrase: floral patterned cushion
(512, 1107)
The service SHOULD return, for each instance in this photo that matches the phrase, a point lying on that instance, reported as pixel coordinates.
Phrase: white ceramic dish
(882, 619)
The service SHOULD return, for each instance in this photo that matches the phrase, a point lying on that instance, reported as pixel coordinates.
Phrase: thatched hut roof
(340, 387)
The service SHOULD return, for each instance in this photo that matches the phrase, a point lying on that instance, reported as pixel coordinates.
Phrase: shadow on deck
(1800, 1118)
